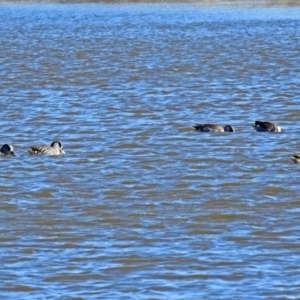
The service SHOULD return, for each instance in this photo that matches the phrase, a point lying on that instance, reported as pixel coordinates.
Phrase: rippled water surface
(142, 206)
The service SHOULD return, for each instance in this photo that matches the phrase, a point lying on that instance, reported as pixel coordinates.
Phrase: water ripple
(140, 197)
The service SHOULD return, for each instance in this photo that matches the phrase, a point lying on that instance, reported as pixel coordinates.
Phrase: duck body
(266, 127)
(7, 150)
(296, 158)
(213, 128)
(54, 150)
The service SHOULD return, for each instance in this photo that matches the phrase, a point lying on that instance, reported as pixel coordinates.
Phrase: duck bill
(12, 153)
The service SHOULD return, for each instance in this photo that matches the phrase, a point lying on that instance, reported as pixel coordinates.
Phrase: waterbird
(213, 128)
(296, 158)
(7, 150)
(53, 150)
(266, 127)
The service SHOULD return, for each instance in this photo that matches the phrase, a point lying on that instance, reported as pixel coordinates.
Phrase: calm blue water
(142, 206)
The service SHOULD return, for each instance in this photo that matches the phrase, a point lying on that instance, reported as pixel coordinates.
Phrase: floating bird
(296, 158)
(7, 150)
(213, 128)
(266, 127)
(53, 150)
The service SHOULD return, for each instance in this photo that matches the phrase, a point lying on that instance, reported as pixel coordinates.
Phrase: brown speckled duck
(296, 158)
(54, 150)
(213, 128)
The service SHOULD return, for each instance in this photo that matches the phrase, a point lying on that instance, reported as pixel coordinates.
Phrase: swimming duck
(266, 127)
(7, 150)
(53, 150)
(296, 158)
(213, 128)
